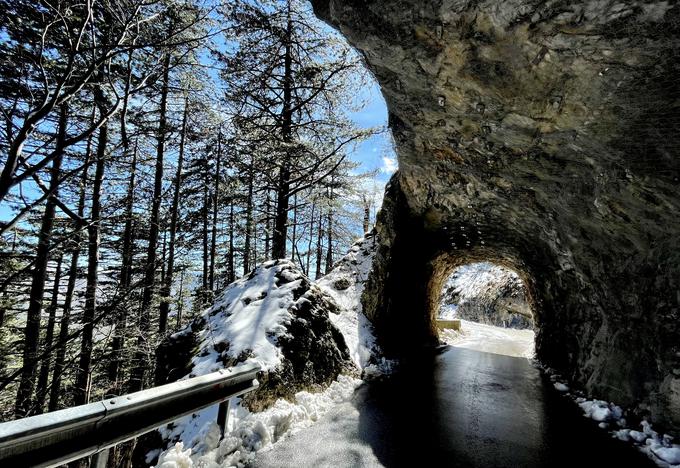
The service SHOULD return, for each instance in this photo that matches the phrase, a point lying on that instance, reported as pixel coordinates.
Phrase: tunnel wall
(546, 133)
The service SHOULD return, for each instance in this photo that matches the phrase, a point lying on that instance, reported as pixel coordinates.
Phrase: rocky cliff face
(543, 136)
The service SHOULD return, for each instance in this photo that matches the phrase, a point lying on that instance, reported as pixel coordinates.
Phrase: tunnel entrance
(486, 307)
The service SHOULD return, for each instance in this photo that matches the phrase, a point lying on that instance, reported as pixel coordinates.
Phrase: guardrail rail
(59, 437)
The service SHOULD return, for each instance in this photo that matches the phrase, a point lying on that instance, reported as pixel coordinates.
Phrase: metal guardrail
(52, 439)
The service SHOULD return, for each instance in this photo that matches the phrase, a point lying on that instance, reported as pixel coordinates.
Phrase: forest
(152, 152)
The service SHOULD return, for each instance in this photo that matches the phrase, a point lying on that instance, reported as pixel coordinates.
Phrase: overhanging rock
(543, 136)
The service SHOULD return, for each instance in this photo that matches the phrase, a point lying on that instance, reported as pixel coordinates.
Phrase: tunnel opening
(486, 307)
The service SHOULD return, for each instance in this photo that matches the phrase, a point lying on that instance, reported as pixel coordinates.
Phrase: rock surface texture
(544, 136)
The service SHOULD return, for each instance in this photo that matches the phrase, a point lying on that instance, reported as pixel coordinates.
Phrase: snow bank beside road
(252, 432)
(659, 449)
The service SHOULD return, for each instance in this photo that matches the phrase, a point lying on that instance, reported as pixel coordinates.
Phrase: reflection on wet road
(458, 408)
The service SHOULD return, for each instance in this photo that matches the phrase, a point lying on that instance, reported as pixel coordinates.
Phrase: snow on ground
(250, 432)
(490, 339)
(610, 416)
(249, 316)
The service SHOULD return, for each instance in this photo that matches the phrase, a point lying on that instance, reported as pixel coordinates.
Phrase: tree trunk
(81, 390)
(311, 238)
(283, 189)
(367, 214)
(143, 342)
(118, 341)
(293, 239)
(174, 216)
(24, 401)
(319, 248)
(232, 272)
(43, 376)
(215, 207)
(60, 359)
(249, 221)
(267, 227)
(329, 234)
(254, 261)
(204, 213)
(180, 303)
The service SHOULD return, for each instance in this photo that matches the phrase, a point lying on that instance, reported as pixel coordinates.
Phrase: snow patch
(176, 457)
(670, 455)
(491, 339)
(598, 410)
(560, 387)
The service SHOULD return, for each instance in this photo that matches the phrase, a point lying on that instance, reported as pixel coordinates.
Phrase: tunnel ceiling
(544, 135)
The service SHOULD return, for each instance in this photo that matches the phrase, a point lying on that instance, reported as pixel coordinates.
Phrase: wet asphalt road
(459, 408)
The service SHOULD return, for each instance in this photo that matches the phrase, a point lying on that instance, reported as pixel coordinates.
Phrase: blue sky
(376, 152)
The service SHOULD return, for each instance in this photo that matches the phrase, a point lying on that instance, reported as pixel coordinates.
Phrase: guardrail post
(100, 459)
(223, 417)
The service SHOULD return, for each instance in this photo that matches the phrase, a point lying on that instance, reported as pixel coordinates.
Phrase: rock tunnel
(543, 136)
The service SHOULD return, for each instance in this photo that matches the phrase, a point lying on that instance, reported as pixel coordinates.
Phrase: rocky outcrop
(276, 317)
(487, 293)
(313, 351)
(542, 136)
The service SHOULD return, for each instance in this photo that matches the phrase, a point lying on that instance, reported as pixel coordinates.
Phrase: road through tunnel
(544, 137)
(487, 293)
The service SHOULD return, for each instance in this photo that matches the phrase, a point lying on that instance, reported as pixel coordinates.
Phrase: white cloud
(389, 165)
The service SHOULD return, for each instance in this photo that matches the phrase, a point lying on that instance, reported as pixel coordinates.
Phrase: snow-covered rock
(668, 454)
(560, 387)
(310, 338)
(274, 317)
(638, 436)
(596, 410)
